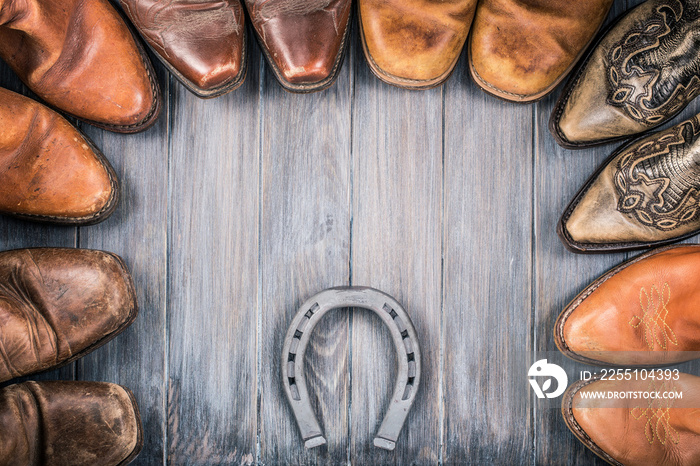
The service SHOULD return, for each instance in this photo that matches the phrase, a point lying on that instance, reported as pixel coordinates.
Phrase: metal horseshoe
(405, 340)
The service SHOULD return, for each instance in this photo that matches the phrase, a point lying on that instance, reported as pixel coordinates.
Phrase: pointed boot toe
(203, 44)
(646, 194)
(641, 73)
(304, 41)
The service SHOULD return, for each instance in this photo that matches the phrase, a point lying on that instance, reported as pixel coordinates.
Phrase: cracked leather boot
(303, 40)
(49, 171)
(57, 305)
(637, 431)
(520, 50)
(646, 194)
(202, 42)
(68, 424)
(79, 56)
(640, 74)
(414, 44)
(641, 313)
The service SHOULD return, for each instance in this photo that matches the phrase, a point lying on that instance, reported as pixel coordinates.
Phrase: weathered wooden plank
(560, 274)
(305, 225)
(137, 231)
(487, 275)
(15, 234)
(213, 276)
(396, 248)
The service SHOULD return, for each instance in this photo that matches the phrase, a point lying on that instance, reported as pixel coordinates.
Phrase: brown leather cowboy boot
(639, 75)
(57, 305)
(648, 423)
(202, 42)
(641, 313)
(80, 57)
(303, 40)
(520, 50)
(68, 423)
(414, 44)
(49, 171)
(646, 194)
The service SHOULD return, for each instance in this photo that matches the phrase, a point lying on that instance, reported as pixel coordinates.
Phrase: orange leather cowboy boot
(202, 43)
(68, 423)
(57, 305)
(648, 423)
(414, 44)
(641, 313)
(303, 40)
(520, 50)
(49, 171)
(80, 57)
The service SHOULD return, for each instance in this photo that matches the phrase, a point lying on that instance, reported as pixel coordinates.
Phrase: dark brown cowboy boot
(303, 40)
(202, 42)
(68, 423)
(57, 305)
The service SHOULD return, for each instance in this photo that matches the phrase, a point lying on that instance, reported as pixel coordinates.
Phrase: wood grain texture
(236, 210)
(213, 276)
(137, 232)
(396, 248)
(305, 227)
(560, 274)
(487, 275)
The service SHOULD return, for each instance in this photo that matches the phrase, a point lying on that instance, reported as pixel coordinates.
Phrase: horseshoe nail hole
(291, 357)
(404, 334)
(390, 310)
(311, 311)
(409, 388)
(298, 334)
(411, 370)
(400, 325)
(411, 357)
(303, 323)
(293, 388)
